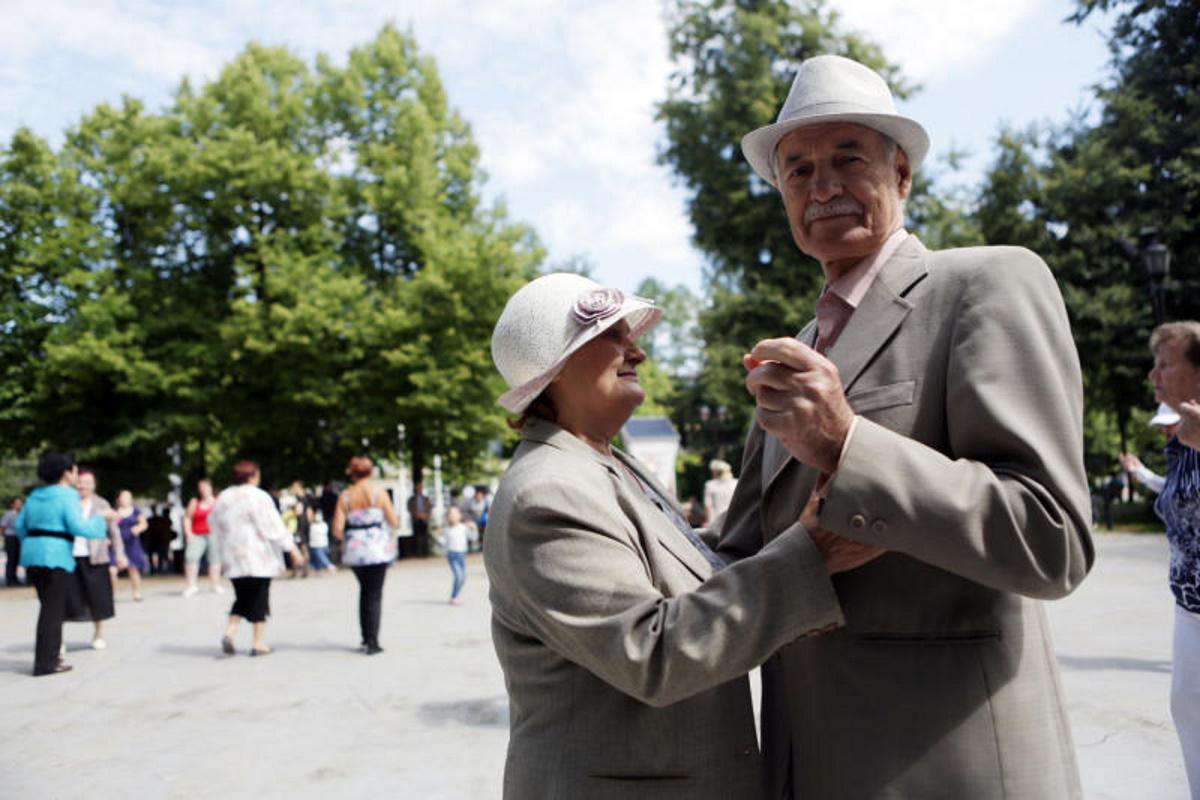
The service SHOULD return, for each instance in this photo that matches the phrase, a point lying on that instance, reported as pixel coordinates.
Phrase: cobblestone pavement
(161, 713)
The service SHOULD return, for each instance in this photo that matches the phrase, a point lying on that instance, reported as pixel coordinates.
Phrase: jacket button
(746, 752)
(879, 526)
(858, 521)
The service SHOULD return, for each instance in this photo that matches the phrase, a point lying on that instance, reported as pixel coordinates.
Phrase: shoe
(372, 649)
(190, 591)
(456, 601)
(99, 644)
(227, 646)
(61, 666)
(257, 652)
(218, 590)
(137, 598)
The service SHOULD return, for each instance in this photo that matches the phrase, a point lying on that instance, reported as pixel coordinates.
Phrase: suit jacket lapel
(662, 528)
(652, 521)
(868, 330)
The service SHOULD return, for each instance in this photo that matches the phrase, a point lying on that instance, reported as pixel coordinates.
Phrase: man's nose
(825, 185)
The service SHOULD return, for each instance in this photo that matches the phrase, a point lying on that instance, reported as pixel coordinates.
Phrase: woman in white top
(250, 541)
(363, 522)
(91, 598)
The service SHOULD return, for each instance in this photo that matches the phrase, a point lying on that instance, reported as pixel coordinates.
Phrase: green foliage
(1071, 194)
(285, 264)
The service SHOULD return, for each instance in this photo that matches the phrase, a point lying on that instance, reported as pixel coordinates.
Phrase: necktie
(832, 313)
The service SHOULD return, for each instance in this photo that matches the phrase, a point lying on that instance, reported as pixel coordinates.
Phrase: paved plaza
(162, 714)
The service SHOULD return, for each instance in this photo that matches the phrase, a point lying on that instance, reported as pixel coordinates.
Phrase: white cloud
(928, 37)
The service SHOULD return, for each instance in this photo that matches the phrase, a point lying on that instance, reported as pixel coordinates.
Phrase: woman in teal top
(47, 526)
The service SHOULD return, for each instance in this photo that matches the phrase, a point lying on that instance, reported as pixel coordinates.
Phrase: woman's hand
(1189, 425)
(1130, 462)
(122, 563)
(839, 553)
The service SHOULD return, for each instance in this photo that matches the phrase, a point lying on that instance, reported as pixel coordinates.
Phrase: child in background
(456, 538)
(318, 544)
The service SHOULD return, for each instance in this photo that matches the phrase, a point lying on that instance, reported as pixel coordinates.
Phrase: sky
(560, 94)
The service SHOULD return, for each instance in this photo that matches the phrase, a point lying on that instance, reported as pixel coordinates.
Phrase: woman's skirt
(135, 553)
(251, 599)
(90, 598)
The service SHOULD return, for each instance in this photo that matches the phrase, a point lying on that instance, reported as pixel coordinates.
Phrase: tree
(285, 264)
(1073, 193)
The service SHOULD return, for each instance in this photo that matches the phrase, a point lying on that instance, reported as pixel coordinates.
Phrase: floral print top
(1179, 507)
(249, 533)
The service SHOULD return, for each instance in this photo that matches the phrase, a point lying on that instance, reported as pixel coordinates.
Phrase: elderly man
(932, 410)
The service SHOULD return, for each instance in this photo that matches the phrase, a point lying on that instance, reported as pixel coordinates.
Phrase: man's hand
(1189, 425)
(839, 553)
(800, 400)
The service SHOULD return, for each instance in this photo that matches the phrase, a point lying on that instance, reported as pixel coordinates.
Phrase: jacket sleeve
(1009, 506)
(76, 524)
(583, 586)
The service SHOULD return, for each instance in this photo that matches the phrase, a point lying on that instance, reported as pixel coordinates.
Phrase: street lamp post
(1156, 259)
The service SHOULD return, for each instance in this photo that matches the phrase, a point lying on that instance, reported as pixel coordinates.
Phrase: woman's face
(600, 380)
(1175, 378)
(86, 485)
(205, 489)
(125, 499)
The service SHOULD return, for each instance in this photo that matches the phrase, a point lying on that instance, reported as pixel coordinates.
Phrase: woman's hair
(360, 467)
(540, 408)
(86, 471)
(243, 471)
(52, 466)
(1187, 331)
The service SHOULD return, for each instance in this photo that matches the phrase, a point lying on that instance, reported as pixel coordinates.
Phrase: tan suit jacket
(966, 466)
(623, 654)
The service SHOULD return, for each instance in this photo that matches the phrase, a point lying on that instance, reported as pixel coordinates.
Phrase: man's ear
(904, 176)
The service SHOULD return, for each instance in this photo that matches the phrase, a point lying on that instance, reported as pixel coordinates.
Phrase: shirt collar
(852, 286)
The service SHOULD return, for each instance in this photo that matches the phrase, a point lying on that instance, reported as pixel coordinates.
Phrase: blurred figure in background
(91, 596)
(718, 491)
(197, 534)
(48, 525)
(12, 542)
(363, 522)
(318, 544)
(132, 522)
(457, 538)
(250, 541)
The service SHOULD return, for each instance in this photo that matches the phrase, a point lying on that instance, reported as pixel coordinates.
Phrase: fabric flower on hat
(597, 304)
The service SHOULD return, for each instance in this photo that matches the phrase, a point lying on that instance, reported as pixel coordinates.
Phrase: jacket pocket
(879, 397)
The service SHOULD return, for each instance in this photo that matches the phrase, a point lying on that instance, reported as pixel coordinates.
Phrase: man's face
(843, 189)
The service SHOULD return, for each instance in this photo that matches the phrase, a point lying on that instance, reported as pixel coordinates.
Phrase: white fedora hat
(550, 318)
(1164, 416)
(835, 89)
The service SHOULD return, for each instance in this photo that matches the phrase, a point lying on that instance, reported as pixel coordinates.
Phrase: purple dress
(134, 551)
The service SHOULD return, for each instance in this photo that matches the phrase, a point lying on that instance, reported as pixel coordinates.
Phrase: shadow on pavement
(489, 712)
(1113, 662)
(19, 667)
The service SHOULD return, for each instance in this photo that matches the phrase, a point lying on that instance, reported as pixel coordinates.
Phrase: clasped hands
(800, 401)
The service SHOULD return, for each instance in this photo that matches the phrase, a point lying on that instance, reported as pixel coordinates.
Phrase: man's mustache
(833, 208)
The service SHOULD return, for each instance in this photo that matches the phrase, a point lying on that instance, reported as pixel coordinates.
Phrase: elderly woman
(91, 598)
(250, 541)
(1176, 379)
(624, 640)
(47, 526)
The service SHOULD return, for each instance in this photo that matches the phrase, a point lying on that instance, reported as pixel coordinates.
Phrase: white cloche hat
(835, 89)
(551, 317)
